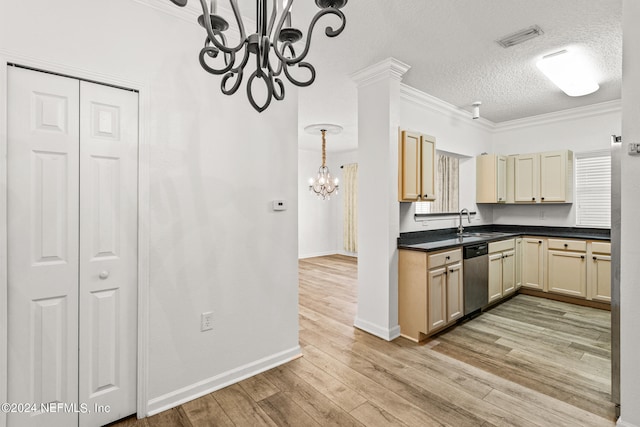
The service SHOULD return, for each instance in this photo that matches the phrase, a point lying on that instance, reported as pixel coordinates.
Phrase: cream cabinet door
(518, 261)
(533, 263)
(455, 298)
(508, 272)
(427, 167)
(567, 273)
(553, 175)
(601, 278)
(501, 179)
(437, 295)
(410, 177)
(495, 276)
(527, 176)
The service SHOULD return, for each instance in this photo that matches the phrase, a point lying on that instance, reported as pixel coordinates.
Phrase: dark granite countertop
(435, 240)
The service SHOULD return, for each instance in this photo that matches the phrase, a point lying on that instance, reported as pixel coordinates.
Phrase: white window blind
(593, 189)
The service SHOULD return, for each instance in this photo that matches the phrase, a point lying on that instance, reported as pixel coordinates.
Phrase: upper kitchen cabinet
(527, 177)
(416, 169)
(544, 177)
(491, 179)
(556, 177)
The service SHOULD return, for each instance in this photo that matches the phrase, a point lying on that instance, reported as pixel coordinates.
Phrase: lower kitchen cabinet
(567, 267)
(430, 292)
(599, 271)
(533, 266)
(518, 261)
(502, 269)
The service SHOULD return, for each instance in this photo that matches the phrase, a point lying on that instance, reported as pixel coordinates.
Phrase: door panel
(108, 251)
(437, 288)
(532, 264)
(410, 167)
(508, 272)
(495, 276)
(427, 167)
(567, 273)
(553, 174)
(601, 278)
(455, 297)
(527, 176)
(42, 259)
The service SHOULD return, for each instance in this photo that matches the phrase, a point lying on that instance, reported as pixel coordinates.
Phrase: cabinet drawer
(442, 258)
(601, 248)
(503, 245)
(568, 245)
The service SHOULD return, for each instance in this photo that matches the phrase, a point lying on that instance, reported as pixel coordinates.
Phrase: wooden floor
(526, 362)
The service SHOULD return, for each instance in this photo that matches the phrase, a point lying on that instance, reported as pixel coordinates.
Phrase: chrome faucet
(460, 227)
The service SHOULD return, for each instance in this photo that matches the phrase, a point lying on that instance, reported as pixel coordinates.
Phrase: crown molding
(423, 99)
(614, 106)
(193, 10)
(390, 68)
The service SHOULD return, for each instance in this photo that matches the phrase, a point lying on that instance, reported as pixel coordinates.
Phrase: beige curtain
(446, 184)
(350, 207)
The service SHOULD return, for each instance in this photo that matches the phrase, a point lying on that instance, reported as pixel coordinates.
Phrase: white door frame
(143, 214)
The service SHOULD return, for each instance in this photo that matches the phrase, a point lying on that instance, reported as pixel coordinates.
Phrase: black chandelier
(273, 34)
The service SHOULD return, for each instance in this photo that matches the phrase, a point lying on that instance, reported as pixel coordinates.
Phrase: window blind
(593, 189)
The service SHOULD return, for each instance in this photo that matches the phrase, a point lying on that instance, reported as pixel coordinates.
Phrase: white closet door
(43, 244)
(108, 251)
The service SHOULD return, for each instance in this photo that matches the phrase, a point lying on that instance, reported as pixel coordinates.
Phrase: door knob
(104, 274)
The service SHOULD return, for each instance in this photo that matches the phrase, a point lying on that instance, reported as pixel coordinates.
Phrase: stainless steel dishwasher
(476, 277)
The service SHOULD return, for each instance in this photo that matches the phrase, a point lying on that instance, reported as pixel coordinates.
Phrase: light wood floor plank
(527, 362)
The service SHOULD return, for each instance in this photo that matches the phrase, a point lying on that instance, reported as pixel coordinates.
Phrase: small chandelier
(274, 39)
(323, 185)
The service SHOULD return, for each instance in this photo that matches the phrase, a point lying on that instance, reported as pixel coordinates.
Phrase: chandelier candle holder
(272, 45)
(323, 185)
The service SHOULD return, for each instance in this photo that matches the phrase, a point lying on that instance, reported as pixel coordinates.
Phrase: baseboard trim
(378, 331)
(564, 298)
(201, 388)
(622, 423)
(317, 254)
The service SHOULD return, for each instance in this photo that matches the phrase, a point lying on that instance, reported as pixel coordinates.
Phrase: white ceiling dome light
(569, 71)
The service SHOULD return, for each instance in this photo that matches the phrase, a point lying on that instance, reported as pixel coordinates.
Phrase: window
(593, 189)
(446, 187)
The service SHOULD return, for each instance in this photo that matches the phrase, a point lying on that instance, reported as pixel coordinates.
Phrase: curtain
(350, 207)
(446, 184)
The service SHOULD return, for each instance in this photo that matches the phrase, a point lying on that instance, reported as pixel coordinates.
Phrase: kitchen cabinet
(533, 265)
(556, 177)
(416, 169)
(599, 271)
(430, 292)
(567, 267)
(491, 179)
(501, 269)
(518, 261)
(527, 178)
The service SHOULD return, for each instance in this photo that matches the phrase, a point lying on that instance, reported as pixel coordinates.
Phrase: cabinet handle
(539, 242)
(450, 271)
(595, 258)
(533, 199)
(582, 256)
(447, 257)
(445, 272)
(566, 245)
(542, 198)
(425, 196)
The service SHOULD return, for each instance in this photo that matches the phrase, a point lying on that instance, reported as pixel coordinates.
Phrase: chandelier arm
(268, 79)
(280, 85)
(272, 19)
(329, 31)
(298, 83)
(211, 33)
(213, 52)
(237, 71)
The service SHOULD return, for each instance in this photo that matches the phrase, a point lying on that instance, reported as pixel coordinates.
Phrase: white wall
(580, 130)
(630, 226)
(215, 165)
(455, 132)
(320, 222)
(317, 228)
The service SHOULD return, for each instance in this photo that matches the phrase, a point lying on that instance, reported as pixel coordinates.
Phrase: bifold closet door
(72, 249)
(108, 252)
(43, 196)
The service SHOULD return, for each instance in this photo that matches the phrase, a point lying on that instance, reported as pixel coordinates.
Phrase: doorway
(72, 156)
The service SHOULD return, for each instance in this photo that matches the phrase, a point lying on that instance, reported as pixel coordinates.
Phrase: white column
(630, 226)
(378, 207)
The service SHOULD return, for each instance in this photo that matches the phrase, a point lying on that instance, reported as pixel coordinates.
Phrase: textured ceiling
(450, 46)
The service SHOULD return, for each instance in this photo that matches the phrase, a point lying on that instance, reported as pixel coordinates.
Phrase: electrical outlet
(542, 214)
(206, 321)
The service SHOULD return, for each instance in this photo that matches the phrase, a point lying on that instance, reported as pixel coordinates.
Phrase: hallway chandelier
(323, 185)
(272, 44)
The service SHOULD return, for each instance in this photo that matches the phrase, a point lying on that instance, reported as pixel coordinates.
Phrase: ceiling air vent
(520, 36)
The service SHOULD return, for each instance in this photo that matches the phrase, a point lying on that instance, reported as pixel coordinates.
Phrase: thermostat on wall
(279, 205)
